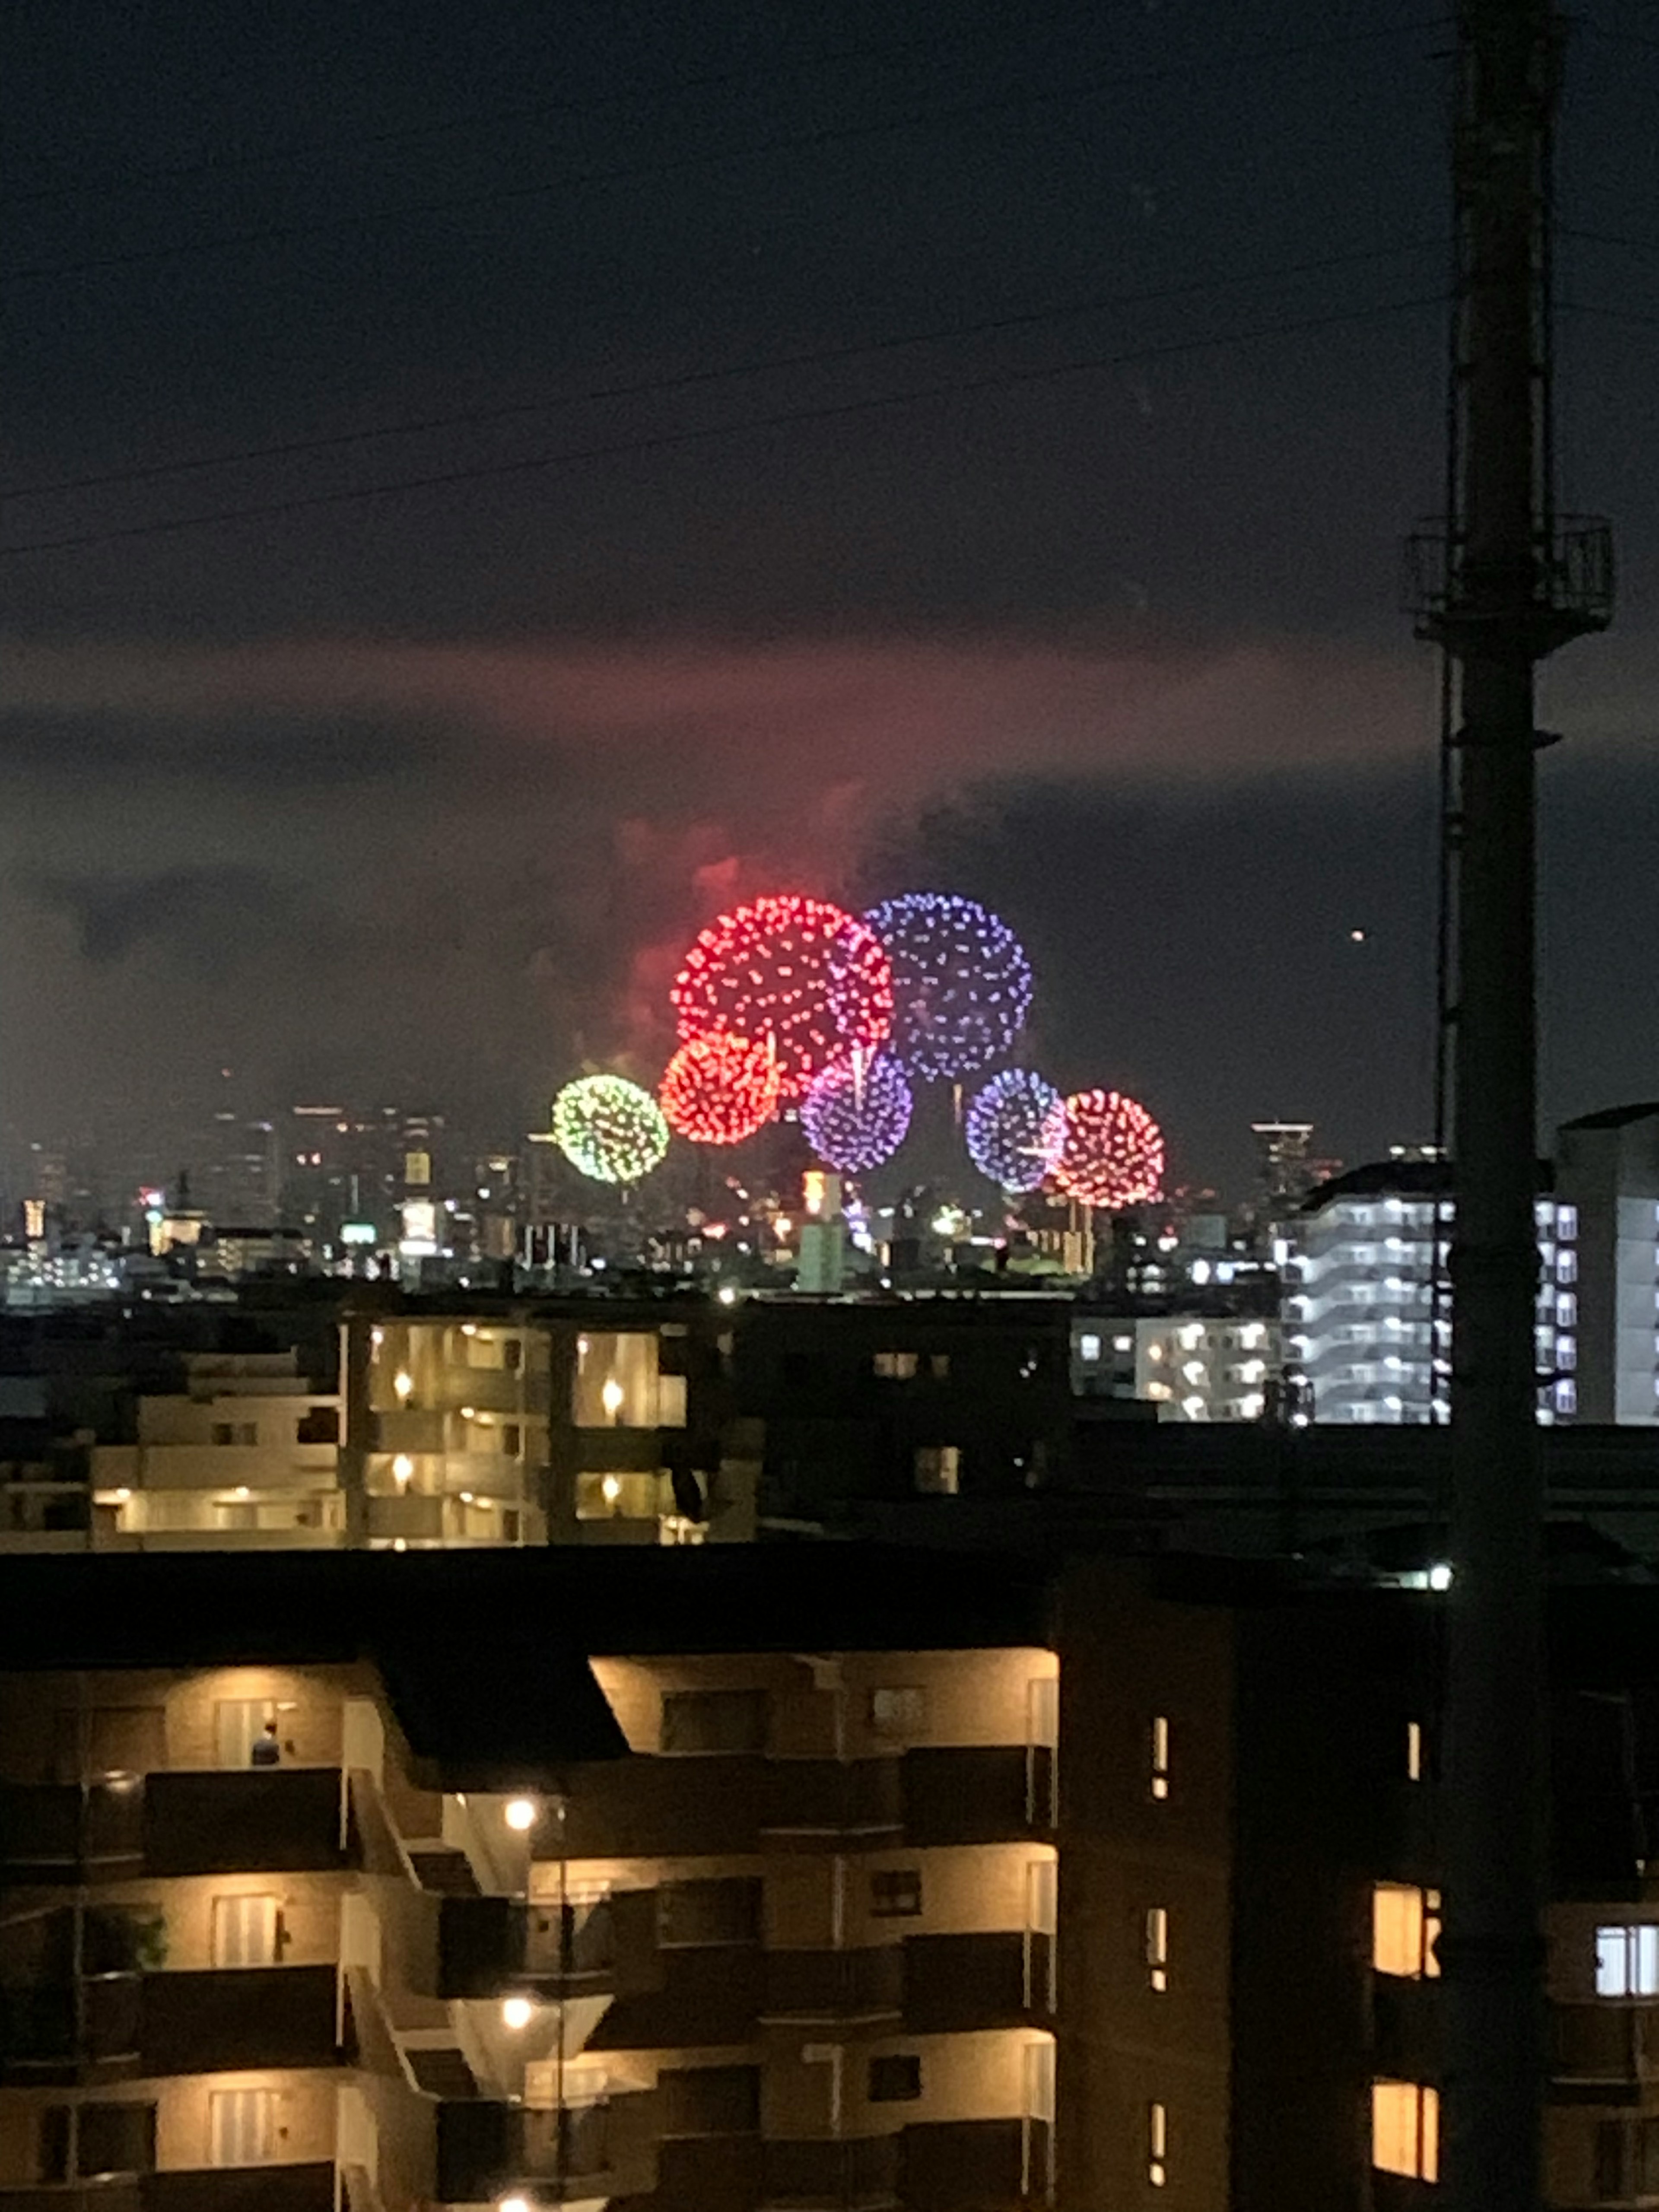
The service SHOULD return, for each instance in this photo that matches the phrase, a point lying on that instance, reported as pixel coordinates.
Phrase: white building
(1360, 1304)
(1607, 1168)
(246, 1457)
(1192, 1367)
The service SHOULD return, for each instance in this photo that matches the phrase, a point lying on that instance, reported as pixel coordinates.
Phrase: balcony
(977, 1796)
(815, 1800)
(230, 2018)
(216, 2189)
(1602, 2054)
(490, 1944)
(52, 2035)
(946, 2164)
(70, 1832)
(860, 2175)
(487, 2150)
(833, 1985)
(953, 1984)
(263, 1820)
(237, 2189)
(670, 1807)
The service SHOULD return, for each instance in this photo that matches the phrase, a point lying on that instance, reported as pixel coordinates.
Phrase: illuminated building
(1607, 1168)
(562, 1888)
(1363, 1326)
(749, 1881)
(1192, 1367)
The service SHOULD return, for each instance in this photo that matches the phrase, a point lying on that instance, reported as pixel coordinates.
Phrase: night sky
(849, 449)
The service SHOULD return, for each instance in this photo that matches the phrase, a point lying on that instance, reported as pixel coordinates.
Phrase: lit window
(1566, 1267)
(1405, 2130)
(1405, 1922)
(1566, 1397)
(1157, 2144)
(1566, 1310)
(1088, 1348)
(1123, 1344)
(1413, 1751)
(1627, 1961)
(1160, 1777)
(1158, 1948)
(1567, 1352)
(938, 1470)
(1566, 1223)
(895, 1366)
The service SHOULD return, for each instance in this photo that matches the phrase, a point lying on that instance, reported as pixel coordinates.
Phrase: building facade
(739, 1881)
(1368, 1317)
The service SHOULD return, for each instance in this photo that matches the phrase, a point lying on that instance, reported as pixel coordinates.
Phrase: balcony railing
(859, 2175)
(487, 2149)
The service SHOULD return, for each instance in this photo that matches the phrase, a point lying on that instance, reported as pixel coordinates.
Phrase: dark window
(897, 1895)
(896, 2080)
(512, 1438)
(939, 1365)
(711, 2101)
(321, 1425)
(714, 1720)
(512, 1355)
(709, 1912)
(224, 1433)
(797, 1369)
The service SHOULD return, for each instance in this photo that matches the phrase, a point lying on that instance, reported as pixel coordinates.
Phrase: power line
(219, 165)
(691, 379)
(833, 135)
(667, 441)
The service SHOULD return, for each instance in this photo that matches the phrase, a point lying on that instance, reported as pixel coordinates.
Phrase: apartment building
(902, 1402)
(513, 1922)
(246, 1455)
(1607, 1168)
(1191, 1366)
(1365, 1329)
(736, 1879)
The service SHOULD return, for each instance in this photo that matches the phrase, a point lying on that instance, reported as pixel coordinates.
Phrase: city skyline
(413, 794)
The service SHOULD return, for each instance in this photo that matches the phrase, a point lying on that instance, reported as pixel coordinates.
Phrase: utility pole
(1500, 585)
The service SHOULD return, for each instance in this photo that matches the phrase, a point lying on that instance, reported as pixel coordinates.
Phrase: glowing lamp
(519, 1814)
(517, 2012)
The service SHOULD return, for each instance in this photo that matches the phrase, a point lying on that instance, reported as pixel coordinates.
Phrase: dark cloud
(244, 750)
(211, 920)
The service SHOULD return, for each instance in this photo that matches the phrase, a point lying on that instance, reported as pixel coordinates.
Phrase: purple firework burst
(856, 1112)
(962, 983)
(1015, 1128)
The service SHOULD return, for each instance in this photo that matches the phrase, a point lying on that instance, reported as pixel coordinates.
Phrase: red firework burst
(719, 1089)
(1114, 1150)
(796, 974)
